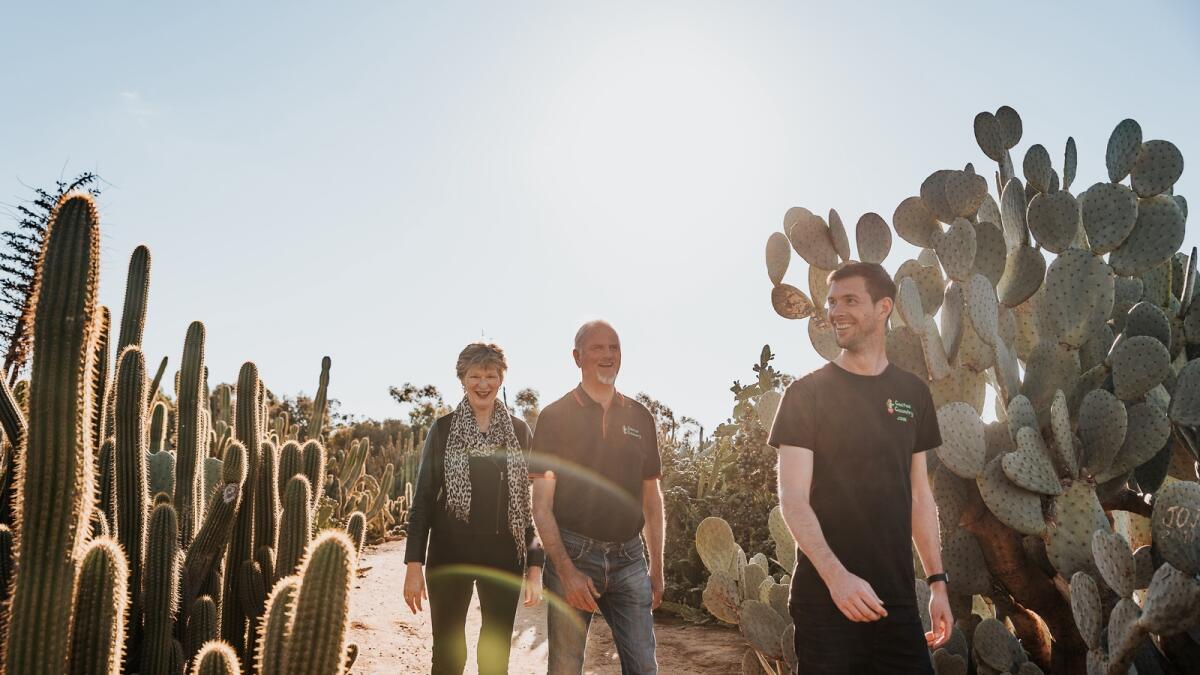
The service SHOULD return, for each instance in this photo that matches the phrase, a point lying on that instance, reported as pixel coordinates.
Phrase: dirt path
(393, 640)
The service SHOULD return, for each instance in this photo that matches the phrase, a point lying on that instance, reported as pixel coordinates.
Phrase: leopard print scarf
(466, 440)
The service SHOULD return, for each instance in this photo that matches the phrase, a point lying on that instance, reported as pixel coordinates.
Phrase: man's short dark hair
(879, 283)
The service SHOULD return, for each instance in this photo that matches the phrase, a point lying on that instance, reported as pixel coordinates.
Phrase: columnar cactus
(160, 651)
(216, 658)
(241, 547)
(100, 601)
(296, 526)
(318, 419)
(190, 445)
(201, 625)
(56, 484)
(314, 469)
(272, 644)
(316, 643)
(1092, 357)
(131, 506)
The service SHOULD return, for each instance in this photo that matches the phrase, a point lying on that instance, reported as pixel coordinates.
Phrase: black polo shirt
(599, 459)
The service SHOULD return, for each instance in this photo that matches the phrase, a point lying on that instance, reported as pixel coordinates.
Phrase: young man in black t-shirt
(854, 491)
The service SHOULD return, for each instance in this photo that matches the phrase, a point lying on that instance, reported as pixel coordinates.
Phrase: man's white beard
(606, 380)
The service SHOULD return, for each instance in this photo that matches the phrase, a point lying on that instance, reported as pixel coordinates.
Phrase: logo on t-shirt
(899, 410)
(631, 431)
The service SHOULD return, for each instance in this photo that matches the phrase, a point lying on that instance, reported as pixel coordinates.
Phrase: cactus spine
(161, 596)
(316, 643)
(189, 494)
(216, 658)
(100, 601)
(55, 483)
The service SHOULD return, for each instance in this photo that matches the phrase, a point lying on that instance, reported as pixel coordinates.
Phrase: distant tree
(528, 407)
(664, 417)
(427, 404)
(19, 251)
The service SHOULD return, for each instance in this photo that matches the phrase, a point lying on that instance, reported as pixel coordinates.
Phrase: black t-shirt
(599, 460)
(863, 431)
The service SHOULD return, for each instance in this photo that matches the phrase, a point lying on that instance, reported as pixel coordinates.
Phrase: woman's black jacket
(488, 520)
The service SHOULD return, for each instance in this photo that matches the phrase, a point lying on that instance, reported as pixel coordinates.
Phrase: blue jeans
(620, 575)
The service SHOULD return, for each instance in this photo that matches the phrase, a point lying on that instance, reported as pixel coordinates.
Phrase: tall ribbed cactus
(216, 658)
(158, 426)
(133, 313)
(314, 469)
(266, 504)
(56, 490)
(210, 541)
(100, 601)
(190, 447)
(7, 568)
(296, 526)
(317, 422)
(100, 384)
(272, 641)
(161, 596)
(201, 625)
(156, 382)
(13, 423)
(317, 641)
(247, 423)
(131, 507)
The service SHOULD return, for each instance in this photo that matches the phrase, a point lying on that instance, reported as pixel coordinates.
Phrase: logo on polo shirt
(899, 410)
(630, 431)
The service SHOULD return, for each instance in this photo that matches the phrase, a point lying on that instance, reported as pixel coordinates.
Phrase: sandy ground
(391, 639)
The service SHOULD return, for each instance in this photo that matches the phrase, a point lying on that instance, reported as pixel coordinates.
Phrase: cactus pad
(994, 645)
(1155, 238)
(1079, 295)
(1029, 467)
(811, 238)
(951, 495)
(933, 194)
(956, 249)
(964, 192)
(1185, 398)
(1146, 318)
(1148, 430)
(874, 238)
(1065, 456)
(1102, 425)
(1077, 514)
(990, 251)
(915, 223)
(1020, 414)
(908, 303)
(963, 446)
(779, 254)
(818, 289)
(715, 544)
(1138, 365)
(1115, 561)
(1175, 525)
(1172, 602)
(823, 339)
(979, 298)
(1016, 507)
(837, 235)
(1085, 606)
(929, 282)
(1037, 168)
(791, 302)
(1013, 214)
(989, 137)
(1052, 366)
(1053, 219)
(965, 563)
(1109, 212)
(1024, 270)
(904, 350)
(1121, 624)
(1010, 126)
(1158, 165)
(721, 597)
(1070, 163)
(753, 574)
(763, 628)
(1123, 146)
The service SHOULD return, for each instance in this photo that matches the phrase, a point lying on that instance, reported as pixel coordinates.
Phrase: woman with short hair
(471, 506)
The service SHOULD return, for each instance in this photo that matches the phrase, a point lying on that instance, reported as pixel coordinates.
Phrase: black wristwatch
(940, 576)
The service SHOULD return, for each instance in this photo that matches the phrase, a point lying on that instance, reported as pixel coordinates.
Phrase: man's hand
(578, 589)
(533, 585)
(414, 586)
(657, 585)
(856, 599)
(940, 619)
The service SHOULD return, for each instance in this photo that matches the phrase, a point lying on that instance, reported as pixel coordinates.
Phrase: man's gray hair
(588, 327)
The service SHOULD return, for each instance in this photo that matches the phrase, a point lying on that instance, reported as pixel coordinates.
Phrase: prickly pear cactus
(1075, 312)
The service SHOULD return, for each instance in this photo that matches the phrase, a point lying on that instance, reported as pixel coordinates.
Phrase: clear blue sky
(385, 182)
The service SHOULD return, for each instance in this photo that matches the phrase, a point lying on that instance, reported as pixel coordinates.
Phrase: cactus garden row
(216, 552)
(1070, 525)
